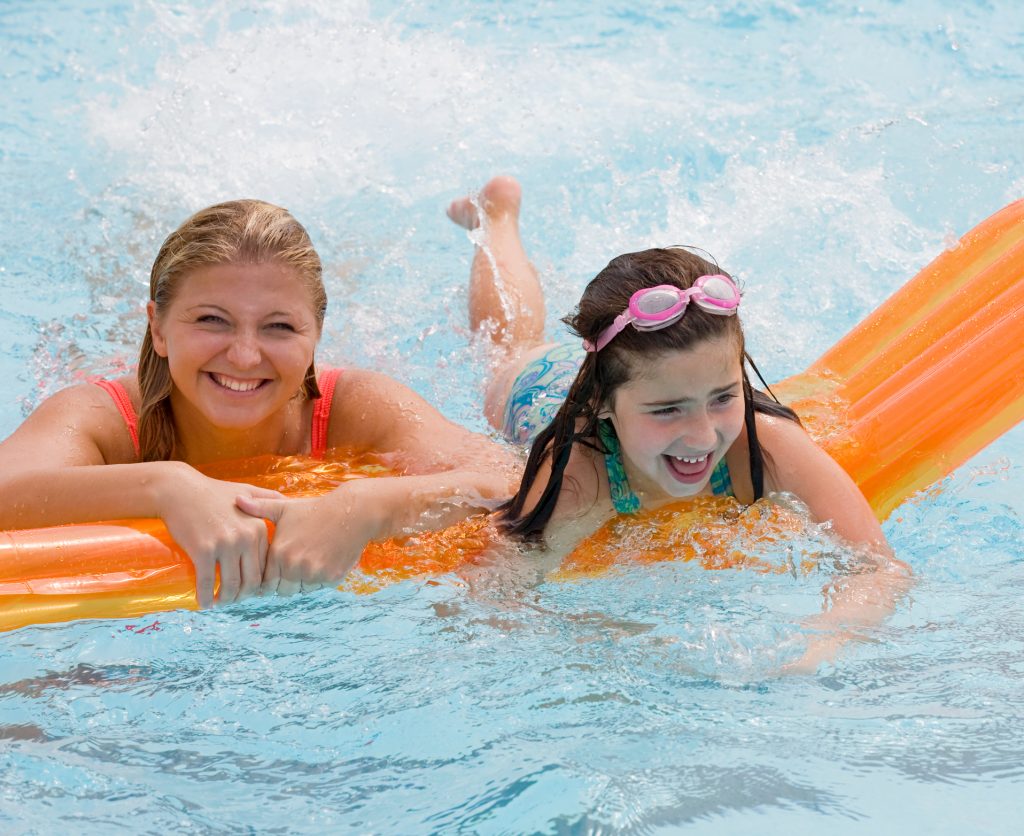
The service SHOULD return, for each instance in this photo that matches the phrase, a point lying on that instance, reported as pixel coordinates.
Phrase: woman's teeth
(236, 385)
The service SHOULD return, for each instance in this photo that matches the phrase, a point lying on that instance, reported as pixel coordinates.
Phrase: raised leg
(505, 298)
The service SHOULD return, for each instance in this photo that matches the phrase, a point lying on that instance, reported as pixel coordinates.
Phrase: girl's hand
(316, 541)
(201, 515)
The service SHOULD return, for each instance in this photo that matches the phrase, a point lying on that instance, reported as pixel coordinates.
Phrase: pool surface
(822, 151)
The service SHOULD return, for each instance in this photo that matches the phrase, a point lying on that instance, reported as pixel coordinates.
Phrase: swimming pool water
(822, 151)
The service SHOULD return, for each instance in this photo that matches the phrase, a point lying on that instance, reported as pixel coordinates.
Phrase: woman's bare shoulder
(77, 425)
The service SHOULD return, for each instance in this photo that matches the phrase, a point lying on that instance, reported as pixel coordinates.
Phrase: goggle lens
(658, 303)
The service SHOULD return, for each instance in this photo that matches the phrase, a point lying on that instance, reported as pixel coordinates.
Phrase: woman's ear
(155, 331)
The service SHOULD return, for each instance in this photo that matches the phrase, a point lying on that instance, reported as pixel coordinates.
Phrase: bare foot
(499, 199)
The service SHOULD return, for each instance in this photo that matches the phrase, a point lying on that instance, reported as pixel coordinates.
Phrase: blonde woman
(227, 371)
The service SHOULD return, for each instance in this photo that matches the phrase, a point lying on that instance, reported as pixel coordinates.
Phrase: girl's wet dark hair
(603, 372)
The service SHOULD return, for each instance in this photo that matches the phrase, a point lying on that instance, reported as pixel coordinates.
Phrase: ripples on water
(822, 153)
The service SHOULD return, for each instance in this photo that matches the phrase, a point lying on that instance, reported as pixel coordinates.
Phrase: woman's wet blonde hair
(236, 232)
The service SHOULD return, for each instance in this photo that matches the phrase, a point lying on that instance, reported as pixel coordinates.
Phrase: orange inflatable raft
(926, 381)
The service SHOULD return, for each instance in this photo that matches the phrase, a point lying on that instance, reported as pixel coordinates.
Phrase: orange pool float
(922, 384)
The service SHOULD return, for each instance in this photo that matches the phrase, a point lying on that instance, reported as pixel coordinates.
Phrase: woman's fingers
(287, 587)
(267, 508)
(252, 564)
(271, 573)
(230, 576)
(204, 582)
(265, 493)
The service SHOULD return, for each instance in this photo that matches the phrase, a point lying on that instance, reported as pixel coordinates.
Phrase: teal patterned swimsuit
(536, 395)
(538, 391)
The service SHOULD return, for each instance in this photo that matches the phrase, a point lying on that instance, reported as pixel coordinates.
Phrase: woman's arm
(56, 468)
(374, 412)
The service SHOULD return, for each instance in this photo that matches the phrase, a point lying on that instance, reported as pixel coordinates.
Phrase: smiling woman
(227, 371)
(239, 342)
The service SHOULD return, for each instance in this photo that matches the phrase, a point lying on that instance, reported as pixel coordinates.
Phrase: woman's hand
(316, 540)
(201, 515)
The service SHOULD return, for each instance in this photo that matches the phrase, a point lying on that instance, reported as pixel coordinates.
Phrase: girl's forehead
(717, 361)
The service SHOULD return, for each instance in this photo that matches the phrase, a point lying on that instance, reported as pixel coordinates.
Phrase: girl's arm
(795, 464)
(449, 473)
(72, 460)
(862, 598)
(318, 540)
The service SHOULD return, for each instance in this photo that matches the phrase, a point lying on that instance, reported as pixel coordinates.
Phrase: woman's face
(678, 416)
(238, 339)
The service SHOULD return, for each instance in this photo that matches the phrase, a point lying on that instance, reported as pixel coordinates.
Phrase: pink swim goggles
(658, 307)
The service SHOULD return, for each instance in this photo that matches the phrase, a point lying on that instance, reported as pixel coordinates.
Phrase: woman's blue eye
(211, 319)
(283, 326)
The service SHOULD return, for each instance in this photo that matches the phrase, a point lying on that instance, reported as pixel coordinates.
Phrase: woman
(227, 371)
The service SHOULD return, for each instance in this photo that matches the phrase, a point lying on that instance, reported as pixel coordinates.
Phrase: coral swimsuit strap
(321, 411)
(124, 406)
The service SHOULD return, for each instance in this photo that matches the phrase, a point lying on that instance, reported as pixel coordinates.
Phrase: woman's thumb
(268, 509)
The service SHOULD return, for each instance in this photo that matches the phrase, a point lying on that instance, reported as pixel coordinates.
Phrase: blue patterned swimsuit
(536, 395)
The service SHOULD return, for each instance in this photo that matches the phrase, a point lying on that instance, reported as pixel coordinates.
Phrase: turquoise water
(822, 151)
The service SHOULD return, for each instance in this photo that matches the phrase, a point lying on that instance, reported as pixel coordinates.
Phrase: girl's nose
(700, 434)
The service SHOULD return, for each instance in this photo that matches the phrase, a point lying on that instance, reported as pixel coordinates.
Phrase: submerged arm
(855, 601)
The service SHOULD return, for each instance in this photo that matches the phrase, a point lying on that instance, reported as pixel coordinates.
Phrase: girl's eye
(666, 410)
(726, 399)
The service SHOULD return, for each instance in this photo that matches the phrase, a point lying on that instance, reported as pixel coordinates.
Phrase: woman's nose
(244, 351)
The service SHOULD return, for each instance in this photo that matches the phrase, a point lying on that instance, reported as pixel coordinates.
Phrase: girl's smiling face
(677, 417)
(238, 339)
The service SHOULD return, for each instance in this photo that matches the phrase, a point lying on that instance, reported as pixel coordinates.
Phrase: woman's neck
(286, 433)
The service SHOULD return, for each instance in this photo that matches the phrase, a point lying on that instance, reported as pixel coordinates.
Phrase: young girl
(653, 405)
(226, 371)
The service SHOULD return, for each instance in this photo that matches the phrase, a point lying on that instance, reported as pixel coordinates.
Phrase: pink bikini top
(321, 410)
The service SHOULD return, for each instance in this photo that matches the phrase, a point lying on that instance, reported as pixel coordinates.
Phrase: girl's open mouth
(689, 470)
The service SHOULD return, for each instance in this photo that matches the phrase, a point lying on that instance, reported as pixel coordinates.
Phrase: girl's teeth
(688, 460)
